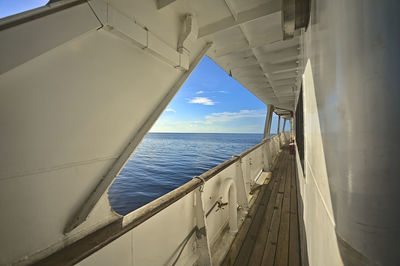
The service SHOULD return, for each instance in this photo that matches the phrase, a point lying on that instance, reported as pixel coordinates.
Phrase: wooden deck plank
(236, 245)
(258, 251)
(250, 240)
(251, 236)
(270, 247)
(241, 235)
(294, 243)
(282, 249)
(270, 233)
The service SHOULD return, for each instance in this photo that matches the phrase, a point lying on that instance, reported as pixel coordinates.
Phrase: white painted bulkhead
(349, 187)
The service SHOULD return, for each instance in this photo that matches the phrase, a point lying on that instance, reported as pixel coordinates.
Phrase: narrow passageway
(270, 233)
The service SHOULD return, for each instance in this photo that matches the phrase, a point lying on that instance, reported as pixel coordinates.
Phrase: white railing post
(241, 186)
(279, 141)
(203, 245)
(284, 124)
(229, 194)
(269, 153)
(265, 157)
(246, 173)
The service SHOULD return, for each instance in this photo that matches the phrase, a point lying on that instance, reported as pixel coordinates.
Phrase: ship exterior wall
(351, 115)
(61, 133)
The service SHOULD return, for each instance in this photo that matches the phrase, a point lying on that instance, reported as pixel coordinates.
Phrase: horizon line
(206, 132)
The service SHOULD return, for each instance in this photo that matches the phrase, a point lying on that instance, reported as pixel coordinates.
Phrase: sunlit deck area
(270, 232)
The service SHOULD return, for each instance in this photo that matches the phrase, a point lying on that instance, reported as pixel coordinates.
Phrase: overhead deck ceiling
(248, 44)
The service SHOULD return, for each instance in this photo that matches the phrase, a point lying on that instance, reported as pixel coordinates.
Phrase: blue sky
(212, 101)
(11, 7)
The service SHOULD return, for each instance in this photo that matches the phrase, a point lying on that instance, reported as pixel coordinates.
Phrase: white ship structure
(83, 81)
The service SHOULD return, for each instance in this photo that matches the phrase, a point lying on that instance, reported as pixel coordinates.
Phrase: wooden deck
(270, 233)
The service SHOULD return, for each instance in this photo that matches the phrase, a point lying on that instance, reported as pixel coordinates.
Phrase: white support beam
(264, 60)
(241, 186)
(232, 9)
(92, 199)
(266, 157)
(279, 124)
(268, 120)
(127, 28)
(242, 17)
(285, 75)
(283, 82)
(164, 3)
(284, 55)
(281, 67)
(292, 127)
(267, 45)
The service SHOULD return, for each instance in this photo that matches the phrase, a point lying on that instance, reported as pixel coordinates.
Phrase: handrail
(79, 250)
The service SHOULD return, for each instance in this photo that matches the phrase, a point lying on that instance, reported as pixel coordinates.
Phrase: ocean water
(165, 161)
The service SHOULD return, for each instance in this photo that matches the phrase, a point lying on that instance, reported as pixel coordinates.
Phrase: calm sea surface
(165, 161)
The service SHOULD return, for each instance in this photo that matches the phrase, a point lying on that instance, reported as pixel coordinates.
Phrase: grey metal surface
(355, 66)
(22, 41)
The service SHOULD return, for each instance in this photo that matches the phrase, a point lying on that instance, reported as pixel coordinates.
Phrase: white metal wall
(351, 101)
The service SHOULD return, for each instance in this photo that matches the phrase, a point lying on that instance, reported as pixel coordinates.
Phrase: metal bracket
(221, 205)
(201, 189)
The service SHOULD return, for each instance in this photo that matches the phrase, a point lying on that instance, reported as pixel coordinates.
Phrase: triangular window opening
(210, 119)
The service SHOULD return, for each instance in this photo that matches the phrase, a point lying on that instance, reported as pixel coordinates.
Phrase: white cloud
(202, 100)
(229, 116)
(170, 110)
(215, 122)
(201, 92)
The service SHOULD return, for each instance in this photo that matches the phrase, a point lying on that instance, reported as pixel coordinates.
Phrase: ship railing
(193, 224)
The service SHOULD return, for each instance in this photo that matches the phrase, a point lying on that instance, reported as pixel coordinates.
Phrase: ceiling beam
(238, 48)
(242, 17)
(281, 56)
(283, 82)
(232, 9)
(265, 59)
(285, 75)
(164, 3)
(281, 67)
